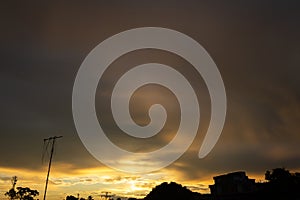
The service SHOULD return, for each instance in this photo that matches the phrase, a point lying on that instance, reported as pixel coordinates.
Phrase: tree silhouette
(172, 191)
(71, 197)
(26, 193)
(278, 175)
(12, 192)
(282, 184)
(21, 193)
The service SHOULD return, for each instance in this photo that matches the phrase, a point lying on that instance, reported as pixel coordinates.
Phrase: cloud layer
(254, 44)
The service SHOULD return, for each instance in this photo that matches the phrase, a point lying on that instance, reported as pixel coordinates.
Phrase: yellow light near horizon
(64, 181)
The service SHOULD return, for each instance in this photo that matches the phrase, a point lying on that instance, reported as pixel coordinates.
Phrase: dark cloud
(120, 179)
(255, 45)
(5, 178)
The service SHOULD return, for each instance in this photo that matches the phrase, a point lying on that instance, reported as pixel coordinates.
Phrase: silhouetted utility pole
(106, 195)
(50, 139)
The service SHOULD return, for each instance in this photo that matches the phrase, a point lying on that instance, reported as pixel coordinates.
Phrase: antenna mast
(50, 139)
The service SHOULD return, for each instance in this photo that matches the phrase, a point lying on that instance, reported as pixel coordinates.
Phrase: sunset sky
(255, 45)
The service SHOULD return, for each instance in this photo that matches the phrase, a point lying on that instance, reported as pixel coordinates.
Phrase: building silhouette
(231, 185)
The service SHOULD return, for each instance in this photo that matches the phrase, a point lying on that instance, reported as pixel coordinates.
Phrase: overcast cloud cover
(255, 45)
